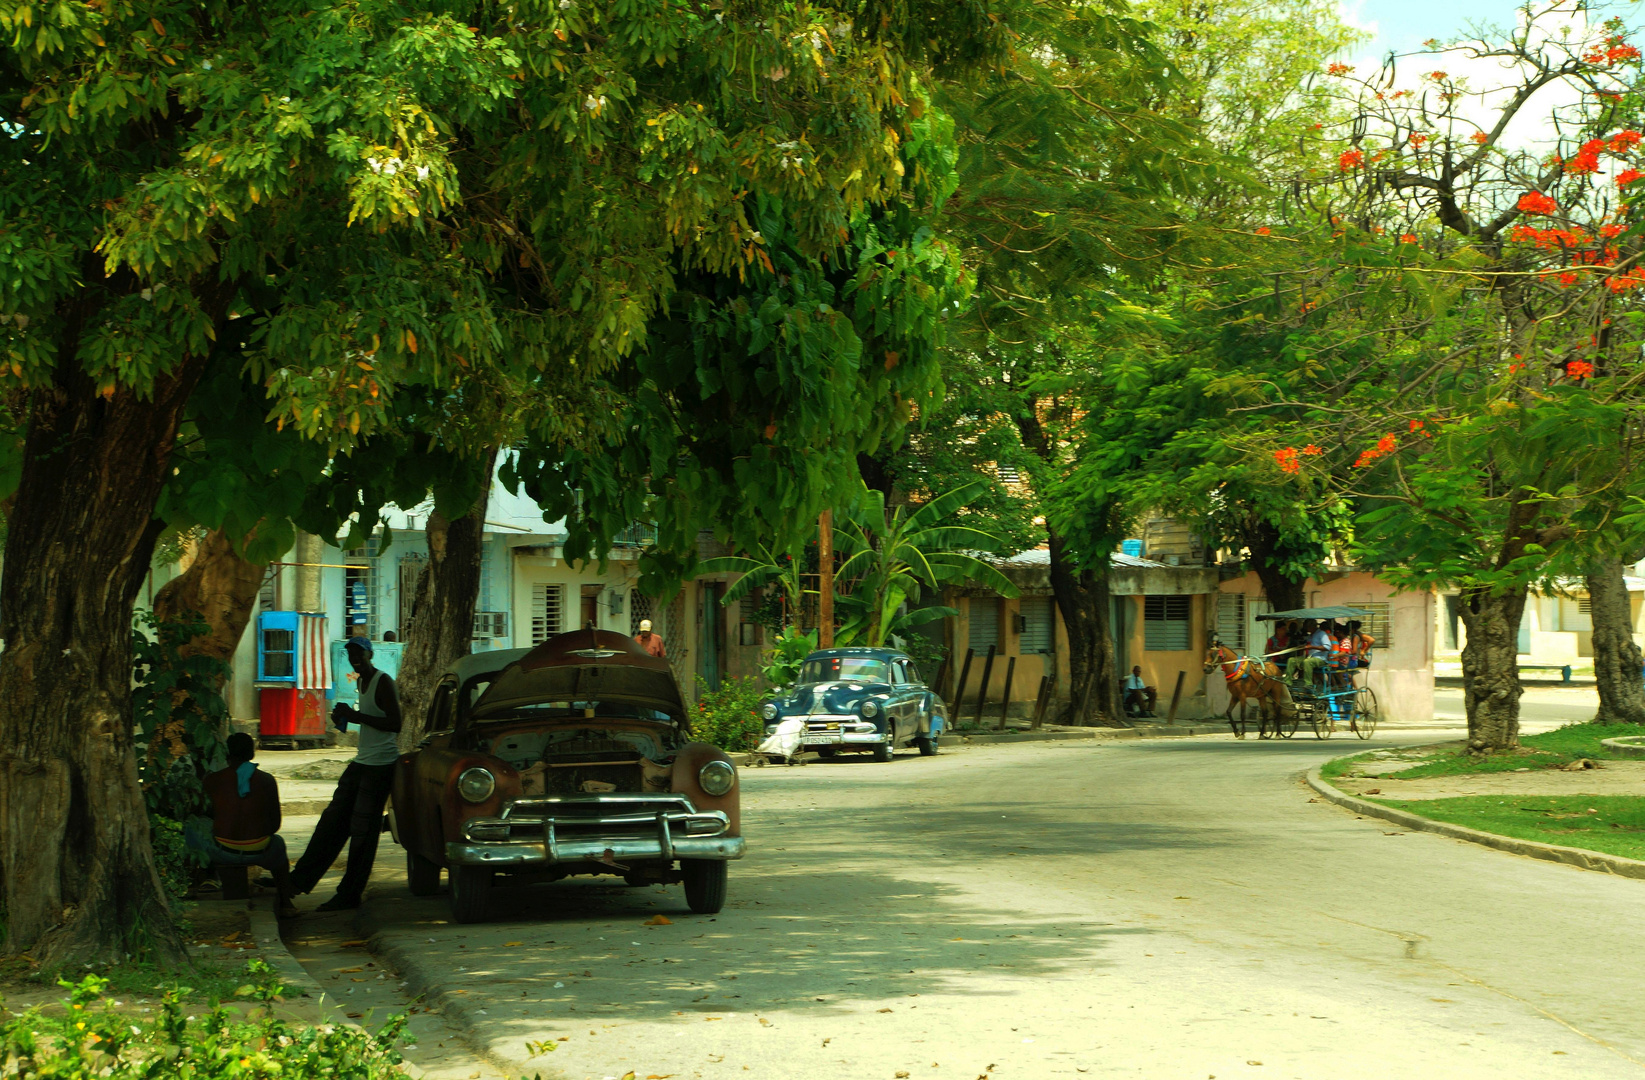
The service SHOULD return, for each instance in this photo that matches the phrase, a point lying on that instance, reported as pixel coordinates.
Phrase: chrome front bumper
(841, 731)
(610, 829)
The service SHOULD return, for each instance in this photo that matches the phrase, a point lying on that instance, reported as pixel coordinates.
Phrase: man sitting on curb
(1139, 696)
(245, 823)
(355, 814)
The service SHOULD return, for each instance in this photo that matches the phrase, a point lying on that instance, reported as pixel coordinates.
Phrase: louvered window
(1165, 623)
(985, 624)
(1231, 620)
(1378, 625)
(547, 608)
(1038, 626)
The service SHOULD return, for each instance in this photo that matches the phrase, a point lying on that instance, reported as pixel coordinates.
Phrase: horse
(1250, 679)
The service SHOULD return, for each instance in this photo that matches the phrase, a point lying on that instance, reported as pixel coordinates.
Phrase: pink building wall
(1402, 675)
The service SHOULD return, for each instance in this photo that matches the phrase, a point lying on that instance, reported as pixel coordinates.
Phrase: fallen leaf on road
(903, 1074)
(345, 971)
(1372, 791)
(658, 920)
(658, 1076)
(883, 1010)
(512, 944)
(1253, 1063)
(357, 944)
(353, 1016)
(706, 1018)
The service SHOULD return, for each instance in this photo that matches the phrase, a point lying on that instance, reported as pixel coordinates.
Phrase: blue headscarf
(242, 774)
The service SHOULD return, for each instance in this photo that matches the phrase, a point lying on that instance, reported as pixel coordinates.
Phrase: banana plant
(891, 554)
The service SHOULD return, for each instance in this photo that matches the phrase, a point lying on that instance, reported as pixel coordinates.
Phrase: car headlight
(870, 708)
(769, 710)
(717, 777)
(476, 784)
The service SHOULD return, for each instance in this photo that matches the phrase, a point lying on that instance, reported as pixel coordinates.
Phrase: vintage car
(860, 699)
(574, 757)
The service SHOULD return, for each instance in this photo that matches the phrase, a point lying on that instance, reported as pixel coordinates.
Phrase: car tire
(422, 874)
(470, 893)
(884, 751)
(927, 745)
(705, 881)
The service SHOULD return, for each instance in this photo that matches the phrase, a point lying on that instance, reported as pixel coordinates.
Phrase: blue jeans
(197, 836)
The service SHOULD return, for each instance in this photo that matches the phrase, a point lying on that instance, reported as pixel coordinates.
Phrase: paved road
(1170, 908)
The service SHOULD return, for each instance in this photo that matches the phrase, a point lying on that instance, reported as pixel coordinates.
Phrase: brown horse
(1249, 679)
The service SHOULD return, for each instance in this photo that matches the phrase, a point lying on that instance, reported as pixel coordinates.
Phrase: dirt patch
(1607, 778)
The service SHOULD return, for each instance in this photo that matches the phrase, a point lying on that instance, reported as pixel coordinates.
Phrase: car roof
(856, 652)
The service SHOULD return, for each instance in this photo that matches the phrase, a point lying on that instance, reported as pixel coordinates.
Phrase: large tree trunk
(1283, 593)
(441, 627)
(1619, 669)
(76, 865)
(219, 586)
(1490, 667)
(1086, 605)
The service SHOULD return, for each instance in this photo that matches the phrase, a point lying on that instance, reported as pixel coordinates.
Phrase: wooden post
(1041, 700)
(982, 691)
(825, 587)
(1005, 699)
(1176, 696)
(959, 687)
(942, 672)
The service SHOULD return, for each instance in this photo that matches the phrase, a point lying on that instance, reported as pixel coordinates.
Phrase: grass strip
(1550, 750)
(1613, 824)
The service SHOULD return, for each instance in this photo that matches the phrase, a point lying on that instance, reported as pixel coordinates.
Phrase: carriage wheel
(1264, 731)
(1320, 717)
(1287, 726)
(1366, 712)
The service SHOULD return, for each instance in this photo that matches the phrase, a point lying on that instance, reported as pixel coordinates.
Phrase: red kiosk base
(291, 715)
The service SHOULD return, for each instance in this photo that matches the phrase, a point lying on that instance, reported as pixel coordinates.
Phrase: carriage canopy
(1338, 612)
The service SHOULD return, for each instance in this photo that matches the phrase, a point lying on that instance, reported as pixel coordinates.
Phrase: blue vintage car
(861, 699)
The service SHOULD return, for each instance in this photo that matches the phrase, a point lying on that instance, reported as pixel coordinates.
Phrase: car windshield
(844, 669)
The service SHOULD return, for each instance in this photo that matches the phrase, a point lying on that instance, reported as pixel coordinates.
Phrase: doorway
(712, 638)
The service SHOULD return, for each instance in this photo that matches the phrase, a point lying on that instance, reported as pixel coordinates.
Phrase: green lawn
(1615, 826)
(1549, 750)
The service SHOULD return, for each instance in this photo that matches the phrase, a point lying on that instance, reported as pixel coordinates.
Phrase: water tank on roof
(1132, 548)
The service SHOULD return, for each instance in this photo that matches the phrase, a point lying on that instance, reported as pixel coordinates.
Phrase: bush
(730, 716)
(89, 1038)
(781, 663)
(172, 857)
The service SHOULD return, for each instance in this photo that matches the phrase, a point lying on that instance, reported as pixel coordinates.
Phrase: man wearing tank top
(355, 814)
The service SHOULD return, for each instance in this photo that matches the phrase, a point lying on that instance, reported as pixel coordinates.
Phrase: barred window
(1378, 624)
(1165, 623)
(547, 611)
(639, 610)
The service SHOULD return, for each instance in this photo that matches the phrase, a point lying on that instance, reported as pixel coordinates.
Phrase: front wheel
(704, 884)
(1366, 712)
(884, 750)
(470, 893)
(422, 875)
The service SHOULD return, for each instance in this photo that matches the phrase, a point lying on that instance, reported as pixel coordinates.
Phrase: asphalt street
(1161, 908)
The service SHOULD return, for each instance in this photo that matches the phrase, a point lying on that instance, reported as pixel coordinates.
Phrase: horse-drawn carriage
(1324, 699)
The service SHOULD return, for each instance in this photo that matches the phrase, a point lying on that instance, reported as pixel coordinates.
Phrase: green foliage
(780, 665)
(892, 553)
(179, 715)
(88, 1037)
(172, 857)
(1549, 750)
(730, 716)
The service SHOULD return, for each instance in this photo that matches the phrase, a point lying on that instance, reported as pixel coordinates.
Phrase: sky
(1403, 25)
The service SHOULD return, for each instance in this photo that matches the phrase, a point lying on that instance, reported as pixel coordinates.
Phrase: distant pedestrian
(651, 643)
(355, 814)
(244, 829)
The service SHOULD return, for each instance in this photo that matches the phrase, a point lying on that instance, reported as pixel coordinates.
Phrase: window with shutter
(1038, 625)
(1379, 625)
(1231, 620)
(547, 611)
(985, 624)
(1165, 623)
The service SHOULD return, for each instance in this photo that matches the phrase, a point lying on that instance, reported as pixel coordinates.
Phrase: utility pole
(825, 586)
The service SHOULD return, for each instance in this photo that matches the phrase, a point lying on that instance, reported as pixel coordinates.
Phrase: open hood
(584, 665)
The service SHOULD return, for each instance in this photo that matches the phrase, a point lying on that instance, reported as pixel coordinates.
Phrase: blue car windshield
(844, 669)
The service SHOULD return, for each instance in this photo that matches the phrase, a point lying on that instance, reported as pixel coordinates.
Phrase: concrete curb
(1624, 748)
(1580, 858)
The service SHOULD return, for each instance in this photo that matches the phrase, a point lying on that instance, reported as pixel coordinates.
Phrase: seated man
(1139, 697)
(244, 828)
(1316, 650)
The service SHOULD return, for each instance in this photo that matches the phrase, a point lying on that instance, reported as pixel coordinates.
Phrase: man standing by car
(355, 814)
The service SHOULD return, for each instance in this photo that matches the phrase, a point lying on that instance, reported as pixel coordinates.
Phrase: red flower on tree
(1287, 460)
(1627, 176)
(1312, 451)
(1535, 202)
(1407, 238)
(1579, 369)
(1351, 159)
(1480, 137)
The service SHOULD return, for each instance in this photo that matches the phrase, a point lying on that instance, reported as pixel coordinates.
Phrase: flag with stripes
(313, 653)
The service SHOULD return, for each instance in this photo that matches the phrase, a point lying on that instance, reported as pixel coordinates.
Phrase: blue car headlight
(769, 710)
(870, 708)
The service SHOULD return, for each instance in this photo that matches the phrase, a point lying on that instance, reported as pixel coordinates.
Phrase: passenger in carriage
(1305, 666)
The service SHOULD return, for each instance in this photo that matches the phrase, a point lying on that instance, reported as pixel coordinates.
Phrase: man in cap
(651, 643)
(355, 814)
